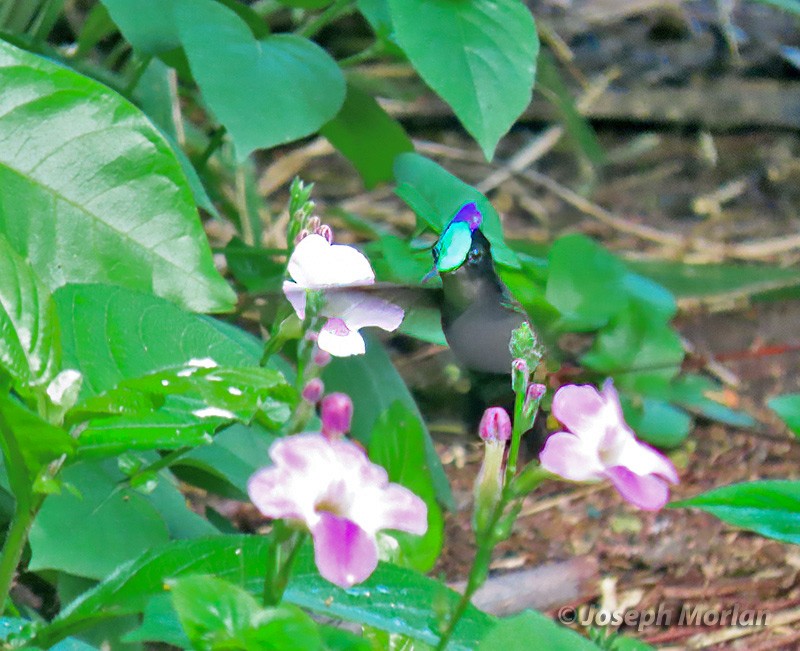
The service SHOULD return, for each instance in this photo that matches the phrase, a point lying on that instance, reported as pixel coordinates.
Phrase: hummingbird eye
(475, 254)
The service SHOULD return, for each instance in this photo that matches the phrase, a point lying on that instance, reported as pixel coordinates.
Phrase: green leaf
(110, 334)
(584, 283)
(658, 422)
(147, 24)
(306, 4)
(398, 444)
(393, 599)
(29, 444)
(219, 615)
(367, 136)
(770, 507)
(11, 627)
(226, 465)
(123, 214)
(160, 623)
(284, 87)
(435, 195)
(181, 408)
(130, 588)
(29, 346)
(373, 383)
(788, 408)
(529, 630)
(479, 57)
(106, 516)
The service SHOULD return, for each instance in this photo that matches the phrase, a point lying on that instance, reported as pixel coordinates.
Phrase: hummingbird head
(455, 246)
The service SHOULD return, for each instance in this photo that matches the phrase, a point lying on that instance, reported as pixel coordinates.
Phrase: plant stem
(139, 68)
(516, 436)
(279, 566)
(15, 541)
(334, 11)
(366, 54)
(214, 143)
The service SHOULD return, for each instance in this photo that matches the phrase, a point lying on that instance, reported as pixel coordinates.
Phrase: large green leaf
(122, 213)
(435, 195)
(770, 507)
(266, 92)
(479, 56)
(532, 630)
(111, 334)
(585, 283)
(398, 444)
(147, 24)
(374, 384)
(29, 346)
(367, 136)
(116, 521)
(12, 627)
(392, 599)
(788, 408)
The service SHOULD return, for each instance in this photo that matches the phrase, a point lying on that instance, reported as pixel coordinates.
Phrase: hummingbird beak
(429, 275)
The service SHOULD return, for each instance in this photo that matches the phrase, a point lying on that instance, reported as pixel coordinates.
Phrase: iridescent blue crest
(451, 249)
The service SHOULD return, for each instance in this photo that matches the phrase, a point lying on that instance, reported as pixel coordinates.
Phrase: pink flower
(600, 445)
(336, 414)
(342, 498)
(316, 264)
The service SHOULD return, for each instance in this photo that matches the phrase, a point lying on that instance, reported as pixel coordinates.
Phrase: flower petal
(648, 492)
(390, 507)
(296, 295)
(582, 410)
(361, 309)
(570, 457)
(315, 263)
(343, 552)
(641, 459)
(339, 341)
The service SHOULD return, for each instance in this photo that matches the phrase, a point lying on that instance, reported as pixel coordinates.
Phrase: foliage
(119, 394)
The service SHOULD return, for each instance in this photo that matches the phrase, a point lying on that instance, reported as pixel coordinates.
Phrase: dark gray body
(478, 313)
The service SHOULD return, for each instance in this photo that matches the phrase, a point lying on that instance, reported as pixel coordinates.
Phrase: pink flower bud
(321, 358)
(313, 390)
(312, 336)
(303, 234)
(519, 375)
(326, 232)
(313, 224)
(495, 425)
(336, 412)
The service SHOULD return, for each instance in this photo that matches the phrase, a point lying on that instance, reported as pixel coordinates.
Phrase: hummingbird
(478, 311)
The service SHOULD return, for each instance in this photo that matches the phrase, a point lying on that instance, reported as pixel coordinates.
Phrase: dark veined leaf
(110, 334)
(769, 507)
(123, 214)
(29, 345)
(479, 56)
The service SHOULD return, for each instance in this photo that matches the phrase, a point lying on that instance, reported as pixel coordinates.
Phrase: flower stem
(334, 11)
(516, 436)
(280, 565)
(16, 538)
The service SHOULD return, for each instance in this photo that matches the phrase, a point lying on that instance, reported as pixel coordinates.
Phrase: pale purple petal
(582, 410)
(403, 510)
(315, 263)
(339, 341)
(296, 295)
(343, 552)
(570, 457)
(641, 459)
(361, 309)
(648, 492)
(267, 489)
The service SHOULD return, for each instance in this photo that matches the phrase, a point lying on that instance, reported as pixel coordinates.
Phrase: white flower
(318, 265)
